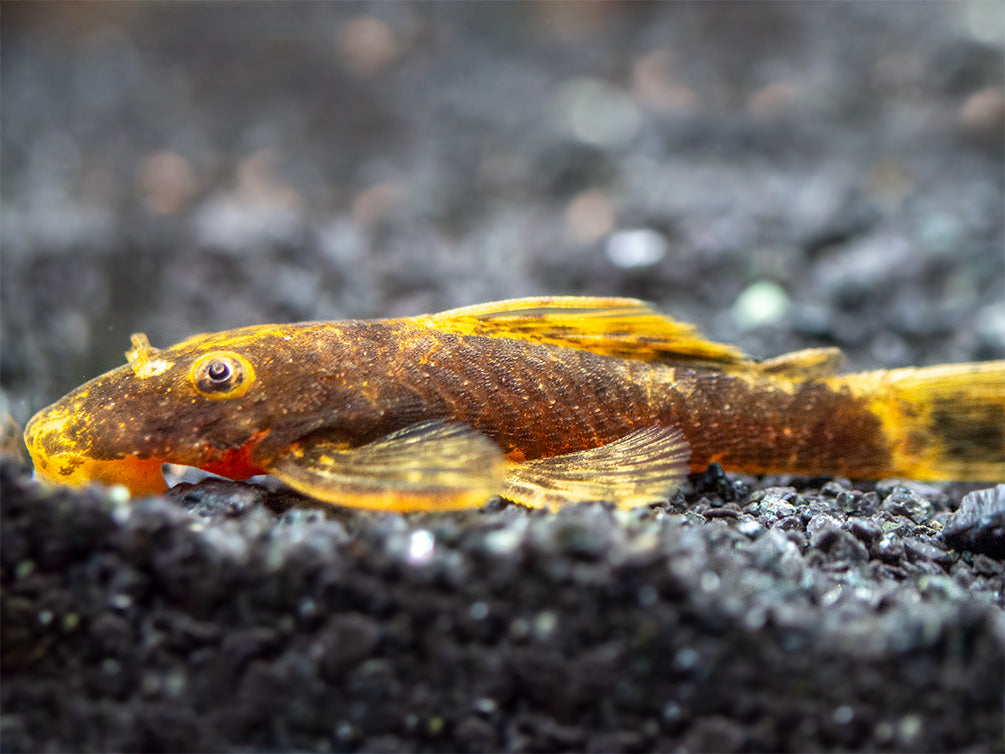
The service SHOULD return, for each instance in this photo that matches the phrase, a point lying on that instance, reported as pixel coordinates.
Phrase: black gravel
(789, 619)
(979, 524)
(784, 175)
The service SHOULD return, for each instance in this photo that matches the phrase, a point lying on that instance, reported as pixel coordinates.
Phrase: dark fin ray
(643, 467)
(431, 466)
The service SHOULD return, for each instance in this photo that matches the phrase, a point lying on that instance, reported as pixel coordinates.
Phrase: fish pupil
(218, 371)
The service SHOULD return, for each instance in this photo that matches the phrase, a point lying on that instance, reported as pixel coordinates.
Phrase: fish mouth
(59, 460)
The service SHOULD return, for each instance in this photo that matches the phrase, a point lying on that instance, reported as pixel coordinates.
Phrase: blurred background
(783, 175)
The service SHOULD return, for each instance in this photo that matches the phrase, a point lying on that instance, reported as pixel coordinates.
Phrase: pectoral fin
(431, 466)
(641, 468)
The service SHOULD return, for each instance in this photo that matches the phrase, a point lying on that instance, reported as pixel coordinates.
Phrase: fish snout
(58, 443)
(47, 437)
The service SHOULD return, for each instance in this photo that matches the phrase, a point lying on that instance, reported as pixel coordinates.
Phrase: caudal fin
(945, 422)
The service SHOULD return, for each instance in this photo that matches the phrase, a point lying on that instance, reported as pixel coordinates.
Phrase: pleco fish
(541, 400)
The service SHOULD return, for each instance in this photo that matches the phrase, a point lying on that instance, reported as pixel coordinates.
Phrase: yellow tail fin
(945, 422)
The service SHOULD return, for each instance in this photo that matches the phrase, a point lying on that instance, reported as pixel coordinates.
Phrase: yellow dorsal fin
(624, 327)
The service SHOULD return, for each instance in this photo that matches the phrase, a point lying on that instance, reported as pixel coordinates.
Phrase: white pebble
(638, 247)
(762, 303)
(421, 546)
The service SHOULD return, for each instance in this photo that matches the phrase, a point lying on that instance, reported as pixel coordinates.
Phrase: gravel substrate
(793, 618)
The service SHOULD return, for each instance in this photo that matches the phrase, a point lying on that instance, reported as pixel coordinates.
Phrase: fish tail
(944, 422)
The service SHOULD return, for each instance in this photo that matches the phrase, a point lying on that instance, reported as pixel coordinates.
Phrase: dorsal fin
(624, 327)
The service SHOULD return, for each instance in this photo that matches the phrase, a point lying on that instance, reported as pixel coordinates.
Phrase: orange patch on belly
(236, 463)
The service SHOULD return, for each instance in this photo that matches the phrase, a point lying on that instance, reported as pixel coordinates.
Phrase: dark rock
(616, 741)
(476, 735)
(917, 550)
(904, 502)
(840, 546)
(218, 498)
(714, 481)
(889, 548)
(979, 524)
(345, 641)
(713, 734)
(864, 529)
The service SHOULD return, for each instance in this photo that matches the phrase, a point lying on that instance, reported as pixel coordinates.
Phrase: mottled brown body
(541, 400)
(572, 392)
(760, 427)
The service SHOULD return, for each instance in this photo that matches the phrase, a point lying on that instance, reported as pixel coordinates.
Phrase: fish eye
(222, 374)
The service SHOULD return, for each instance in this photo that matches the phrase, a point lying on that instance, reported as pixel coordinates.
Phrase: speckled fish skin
(540, 378)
